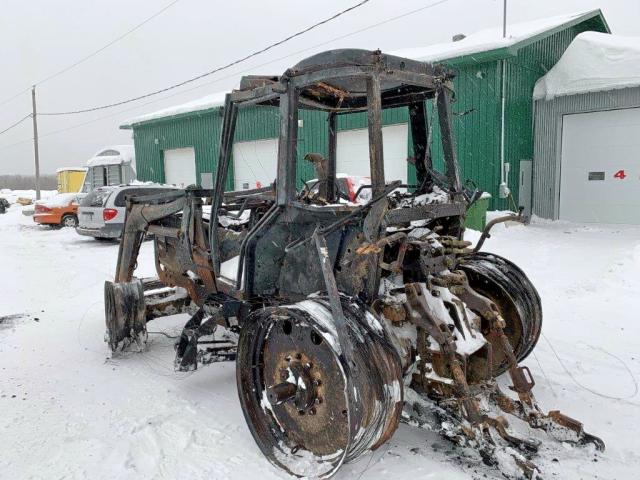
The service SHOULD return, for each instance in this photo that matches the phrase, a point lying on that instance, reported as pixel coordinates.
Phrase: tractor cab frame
(337, 82)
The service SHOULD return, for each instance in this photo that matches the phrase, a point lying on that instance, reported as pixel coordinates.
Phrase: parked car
(61, 210)
(101, 212)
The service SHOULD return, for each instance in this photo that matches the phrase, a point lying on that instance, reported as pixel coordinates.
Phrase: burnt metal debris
(339, 315)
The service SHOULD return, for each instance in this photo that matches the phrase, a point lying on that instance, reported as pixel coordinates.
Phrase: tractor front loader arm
(126, 311)
(138, 217)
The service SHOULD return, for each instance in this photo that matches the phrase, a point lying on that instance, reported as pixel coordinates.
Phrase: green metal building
(494, 127)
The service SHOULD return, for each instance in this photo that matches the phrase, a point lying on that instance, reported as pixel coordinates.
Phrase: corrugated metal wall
(522, 72)
(202, 132)
(548, 139)
(476, 124)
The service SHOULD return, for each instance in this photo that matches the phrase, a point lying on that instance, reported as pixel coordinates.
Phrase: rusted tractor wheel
(124, 312)
(508, 287)
(308, 407)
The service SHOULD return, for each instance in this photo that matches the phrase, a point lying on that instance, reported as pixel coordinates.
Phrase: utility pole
(35, 141)
(503, 189)
(504, 19)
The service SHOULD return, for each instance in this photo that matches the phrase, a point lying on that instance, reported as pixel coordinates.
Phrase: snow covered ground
(68, 411)
(13, 195)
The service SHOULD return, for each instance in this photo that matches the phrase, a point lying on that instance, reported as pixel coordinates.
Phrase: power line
(7, 100)
(94, 53)
(116, 40)
(217, 80)
(297, 52)
(215, 70)
(326, 42)
(15, 124)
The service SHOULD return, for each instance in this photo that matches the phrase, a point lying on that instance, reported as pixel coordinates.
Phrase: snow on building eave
(208, 102)
(490, 41)
(593, 62)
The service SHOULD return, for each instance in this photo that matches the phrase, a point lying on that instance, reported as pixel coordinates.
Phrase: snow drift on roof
(125, 154)
(592, 62)
(488, 39)
(205, 103)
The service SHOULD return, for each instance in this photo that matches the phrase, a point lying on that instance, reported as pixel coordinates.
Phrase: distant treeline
(28, 182)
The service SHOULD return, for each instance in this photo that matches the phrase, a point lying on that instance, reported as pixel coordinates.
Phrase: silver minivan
(101, 213)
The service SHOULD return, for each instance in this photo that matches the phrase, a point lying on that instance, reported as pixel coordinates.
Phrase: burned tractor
(339, 314)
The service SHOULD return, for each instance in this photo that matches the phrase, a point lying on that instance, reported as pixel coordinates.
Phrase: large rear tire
(510, 289)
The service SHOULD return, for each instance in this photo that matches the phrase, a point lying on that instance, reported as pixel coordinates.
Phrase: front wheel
(70, 221)
(310, 401)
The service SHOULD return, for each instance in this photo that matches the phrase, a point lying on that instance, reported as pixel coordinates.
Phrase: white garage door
(600, 169)
(353, 152)
(180, 167)
(255, 163)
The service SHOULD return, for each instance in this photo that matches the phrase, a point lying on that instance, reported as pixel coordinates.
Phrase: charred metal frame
(417, 82)
(337, 82)
(430, 260)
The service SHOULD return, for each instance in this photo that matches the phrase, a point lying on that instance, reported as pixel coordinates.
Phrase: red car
(60, 210)
(349, 187)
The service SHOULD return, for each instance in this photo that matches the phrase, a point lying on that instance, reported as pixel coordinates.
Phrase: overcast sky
(41, 37)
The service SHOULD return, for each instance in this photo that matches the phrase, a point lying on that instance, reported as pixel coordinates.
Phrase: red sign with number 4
(620, 175)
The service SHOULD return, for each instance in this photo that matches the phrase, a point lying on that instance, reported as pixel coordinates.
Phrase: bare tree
(28, 182)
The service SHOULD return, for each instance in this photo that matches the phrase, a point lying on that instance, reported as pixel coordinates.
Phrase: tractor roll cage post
(287, 145)
(226, 144)
(332, 126)
(448, 140)
(340, 82)
(419, 125)
(374, 123)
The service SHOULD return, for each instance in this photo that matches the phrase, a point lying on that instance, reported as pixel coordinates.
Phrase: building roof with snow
(489, 44)
(484, 45)
(593, 62)
(204, 104)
